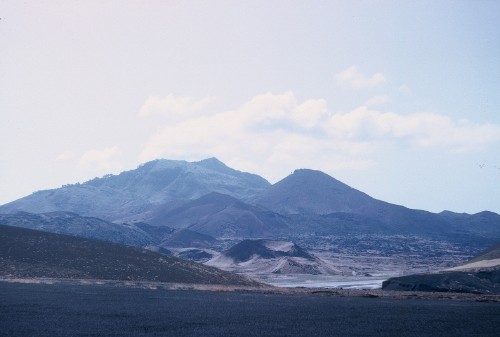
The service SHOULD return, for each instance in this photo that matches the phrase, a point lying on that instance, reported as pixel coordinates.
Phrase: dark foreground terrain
(104, 310)
(476, 282)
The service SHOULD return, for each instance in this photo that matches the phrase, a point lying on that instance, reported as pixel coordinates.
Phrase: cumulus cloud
(422, 129)
(353, 78)
(105, 160)
(272, 134)
(377, 100)
(173, 106)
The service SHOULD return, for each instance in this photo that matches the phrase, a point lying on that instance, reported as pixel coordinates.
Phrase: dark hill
(479, 275)
(266, 249)
(313, 192)
(26, 253)
(76, 225)
(188, 238)
(481, 282)
(488, 254)
(221, 215)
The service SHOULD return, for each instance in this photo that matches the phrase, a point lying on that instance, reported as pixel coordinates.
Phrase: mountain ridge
(134, 192)
(214, 199)
(199, 209)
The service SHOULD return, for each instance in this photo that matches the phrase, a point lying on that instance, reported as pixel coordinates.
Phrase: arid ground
(109, 310)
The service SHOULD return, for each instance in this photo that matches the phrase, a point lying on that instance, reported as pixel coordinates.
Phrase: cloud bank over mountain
(277, 131)
(397, 99)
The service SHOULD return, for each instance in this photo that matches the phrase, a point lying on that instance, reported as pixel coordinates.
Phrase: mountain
(188, 238)
(138, 234)
(270, 256)
(315, 201)
(130, 194)
(309, 207)
(76, 225)
(480, 275)
(26, 253)
(221, 215)
(209, 197)
(313, 192)
(197, 255)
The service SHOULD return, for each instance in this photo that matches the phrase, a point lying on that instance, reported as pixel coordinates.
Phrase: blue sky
(396, 98)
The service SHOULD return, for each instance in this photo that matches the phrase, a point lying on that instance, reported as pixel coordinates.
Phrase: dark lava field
(104, 310)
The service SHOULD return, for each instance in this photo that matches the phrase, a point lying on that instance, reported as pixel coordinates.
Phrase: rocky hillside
(149, 205)
(211, 198)
(267, 249)
(270, 256)
(26, 253)
(480, 282)
(312, 197)
(132, 193)
(489, 259)
(313, 192)
(82, 226)
(480, 275)
(221, 215)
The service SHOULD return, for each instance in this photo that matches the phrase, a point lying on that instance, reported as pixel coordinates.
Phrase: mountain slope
(221, 215)
(489, 259)
(479, 275)
(213, 199)
(312, 192)
(76, 225)
(132, 193)
(138, 234)
(26, 253)
(267, 249)
(313, 197)
(188, 238)
(270, 256)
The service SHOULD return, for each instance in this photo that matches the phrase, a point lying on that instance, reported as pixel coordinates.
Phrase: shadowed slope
(479, 275)
(221, 215)
(26, 253)
(313, 192)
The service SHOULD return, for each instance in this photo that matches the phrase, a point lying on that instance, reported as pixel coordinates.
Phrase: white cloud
(353, 78)
(105, 160)
(417, 129)
(377, 100)
(309, 113)
(174, 107)
(273, 134)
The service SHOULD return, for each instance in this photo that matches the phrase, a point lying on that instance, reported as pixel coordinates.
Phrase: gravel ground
(107, 310)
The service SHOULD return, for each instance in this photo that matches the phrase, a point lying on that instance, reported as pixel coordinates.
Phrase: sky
(398, 99)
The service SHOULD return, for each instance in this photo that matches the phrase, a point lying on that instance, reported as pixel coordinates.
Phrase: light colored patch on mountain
(279, 246)
(477, 265)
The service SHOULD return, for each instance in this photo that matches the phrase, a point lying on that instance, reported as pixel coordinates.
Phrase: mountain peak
(311, 191)
(314, 180)
(213, 164)
(135, 192)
